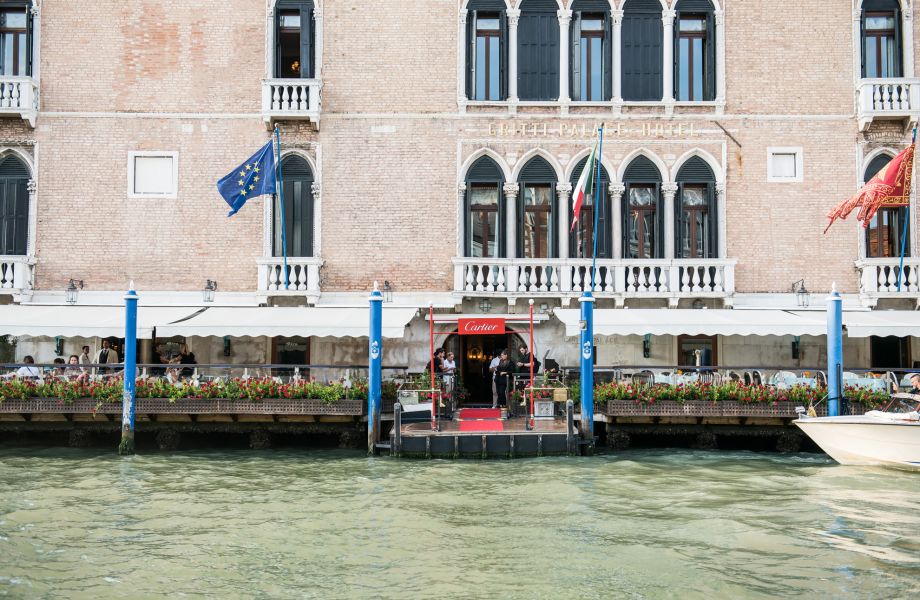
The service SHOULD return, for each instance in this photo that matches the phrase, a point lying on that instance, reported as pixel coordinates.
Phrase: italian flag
(584, 187)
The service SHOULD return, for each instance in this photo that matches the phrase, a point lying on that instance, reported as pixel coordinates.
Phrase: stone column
(514, 16)
(616, 189)
(32, 187)
(511, 221)
(667, 17)
(564, 192)
(907, 30)
(461, 60)
(565, 19)
(269, 42)
(721, 211)
(318, 42)
(669, 190)
(617, 63)
(461, 235)
(317, 190)
(720, 61)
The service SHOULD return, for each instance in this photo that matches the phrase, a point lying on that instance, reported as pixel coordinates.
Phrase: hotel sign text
(583, 130)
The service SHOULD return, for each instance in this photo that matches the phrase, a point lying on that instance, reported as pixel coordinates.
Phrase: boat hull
(861, 441)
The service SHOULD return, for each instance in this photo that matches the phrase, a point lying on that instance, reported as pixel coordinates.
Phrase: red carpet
(480, 413)
(482, 425)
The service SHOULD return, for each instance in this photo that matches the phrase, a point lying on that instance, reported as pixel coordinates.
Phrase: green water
(301, 524)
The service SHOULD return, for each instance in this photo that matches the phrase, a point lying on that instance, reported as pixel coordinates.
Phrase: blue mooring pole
(834, 352)
(587, 365)
(127, 403)
(374, 375)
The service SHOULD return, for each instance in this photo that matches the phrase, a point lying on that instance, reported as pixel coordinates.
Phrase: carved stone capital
(857, 15)
(461, 188)
(668, 16)
(514, 15)
(669, 189)
(317, 189)
(511, 189)
(32, 186)
(563, 189)
(462, 17)
(719, 17)
(317, 13)
(616, 189)
(720, 189)
(617, 16)
(565, 17)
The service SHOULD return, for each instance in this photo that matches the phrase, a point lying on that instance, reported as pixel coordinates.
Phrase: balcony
(878, 278)
(892, 98)
(303, 277)
(16, 274)
(671, 279)
(291, 100)
(19, 96)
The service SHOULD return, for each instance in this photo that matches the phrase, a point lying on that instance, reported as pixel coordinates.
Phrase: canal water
(324, 524)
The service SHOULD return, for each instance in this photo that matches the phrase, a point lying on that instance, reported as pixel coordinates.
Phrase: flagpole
(597, 196)
(281, 197)
(906, 221)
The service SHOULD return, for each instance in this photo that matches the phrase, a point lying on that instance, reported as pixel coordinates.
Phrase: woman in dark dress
(503, 373)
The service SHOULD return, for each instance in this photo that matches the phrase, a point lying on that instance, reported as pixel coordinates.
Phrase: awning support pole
(834, 351)
(375, 342)
(127, 400)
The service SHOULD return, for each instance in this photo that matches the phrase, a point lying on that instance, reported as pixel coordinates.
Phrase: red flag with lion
(889, 188)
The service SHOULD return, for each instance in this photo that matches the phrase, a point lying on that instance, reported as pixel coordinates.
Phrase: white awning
(900, 323)
(323, 321)
(695, 322)
(84, 321)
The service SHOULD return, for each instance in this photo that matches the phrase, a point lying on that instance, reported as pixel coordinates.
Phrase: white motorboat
(880, 437)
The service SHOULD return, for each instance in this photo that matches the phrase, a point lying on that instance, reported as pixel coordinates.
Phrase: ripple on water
(638, 524)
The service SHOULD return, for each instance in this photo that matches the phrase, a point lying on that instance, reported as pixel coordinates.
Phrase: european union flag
(255, 177)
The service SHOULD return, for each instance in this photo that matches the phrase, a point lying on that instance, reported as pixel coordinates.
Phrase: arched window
(14, 206)
(642, 199)
(486, 50)
(589, 55)
(696, 211)
(581, 241)
(885, 231)
(537, 209)
(538, 50)
(294, 39)
(298, 208)
(881, 38)
(484, 220)
(694, 51)
(642, 50)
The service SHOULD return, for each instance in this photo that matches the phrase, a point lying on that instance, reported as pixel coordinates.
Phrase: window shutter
(30, 41)
(675, 57)
(606, 49)
(538, 52)
(862, 43)
(642, 50)
(14, 213)
(575, 58)
(306, 45)
(471, 55)
(503, 57)
(898, 69)
(709, 66)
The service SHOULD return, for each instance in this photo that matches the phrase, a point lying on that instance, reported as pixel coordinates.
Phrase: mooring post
(396, 449)
(374, 374)
(127, 400)
(834, 352)
(587, 366)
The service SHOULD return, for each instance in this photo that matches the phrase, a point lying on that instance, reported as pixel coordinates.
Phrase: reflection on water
(643, 524)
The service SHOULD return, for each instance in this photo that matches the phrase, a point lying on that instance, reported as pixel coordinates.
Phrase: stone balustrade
(653, 278)
(878, 278)
(303, 275)
(19, 96)
(892, 98)
(16, 274)
(291, 99)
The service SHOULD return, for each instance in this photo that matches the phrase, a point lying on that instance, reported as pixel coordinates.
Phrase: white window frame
(799, 164)
(174, 155)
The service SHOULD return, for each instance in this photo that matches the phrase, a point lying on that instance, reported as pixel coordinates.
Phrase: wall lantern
(207, 294)
(485, 305)
(73, 288)
(802, 297)
(387, 292)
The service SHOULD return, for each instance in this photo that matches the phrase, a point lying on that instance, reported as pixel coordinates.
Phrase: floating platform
(482, 433)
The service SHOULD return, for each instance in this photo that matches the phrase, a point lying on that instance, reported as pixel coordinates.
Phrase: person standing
(492, 366)
(84, 359)
(106, 356)
(450, 367)
(503, 373)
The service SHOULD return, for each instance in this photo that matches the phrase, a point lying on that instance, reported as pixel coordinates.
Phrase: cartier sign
(481, 326)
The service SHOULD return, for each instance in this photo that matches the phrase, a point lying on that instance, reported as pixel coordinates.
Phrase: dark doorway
(890, 352)
(688, 346)
(476, 353)
(290, 351)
